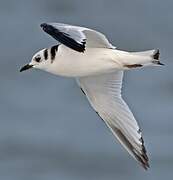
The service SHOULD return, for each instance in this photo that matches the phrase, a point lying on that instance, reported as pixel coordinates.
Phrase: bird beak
(26, 67)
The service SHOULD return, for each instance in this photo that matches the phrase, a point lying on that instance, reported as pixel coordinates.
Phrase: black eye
(38, 59)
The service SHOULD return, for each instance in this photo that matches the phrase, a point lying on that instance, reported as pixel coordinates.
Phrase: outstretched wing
(75, 37)
(104, 94)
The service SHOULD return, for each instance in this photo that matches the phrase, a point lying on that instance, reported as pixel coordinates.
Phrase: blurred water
(48, 130)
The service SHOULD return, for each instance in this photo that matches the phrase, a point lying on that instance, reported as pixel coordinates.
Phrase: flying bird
(98, 66)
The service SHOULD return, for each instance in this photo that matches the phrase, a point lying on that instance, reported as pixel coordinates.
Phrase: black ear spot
(38, 59)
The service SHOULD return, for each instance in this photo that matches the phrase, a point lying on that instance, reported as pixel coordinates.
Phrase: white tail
(129, 60)
(143, 58)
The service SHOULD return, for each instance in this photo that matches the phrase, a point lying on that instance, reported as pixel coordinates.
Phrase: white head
(42, 59)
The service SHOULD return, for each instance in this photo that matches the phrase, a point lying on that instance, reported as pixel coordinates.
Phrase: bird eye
(38, 59)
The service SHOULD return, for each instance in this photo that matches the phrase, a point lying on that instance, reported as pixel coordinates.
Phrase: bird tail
(150, 57)
(140, 59)
(153, 54)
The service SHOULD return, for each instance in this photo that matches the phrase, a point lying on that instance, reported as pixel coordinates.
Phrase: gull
(98, 67)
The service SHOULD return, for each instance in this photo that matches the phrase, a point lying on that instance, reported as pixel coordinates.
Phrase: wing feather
(104, 94)
(75, 37)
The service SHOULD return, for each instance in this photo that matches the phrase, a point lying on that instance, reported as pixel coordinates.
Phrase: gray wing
(75, 37)
(104, 95)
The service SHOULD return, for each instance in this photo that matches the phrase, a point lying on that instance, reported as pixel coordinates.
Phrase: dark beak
(26, 67)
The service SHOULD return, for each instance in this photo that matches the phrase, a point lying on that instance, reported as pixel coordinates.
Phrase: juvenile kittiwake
(98, 66)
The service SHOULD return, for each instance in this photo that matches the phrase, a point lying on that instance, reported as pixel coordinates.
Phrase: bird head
(41, 60)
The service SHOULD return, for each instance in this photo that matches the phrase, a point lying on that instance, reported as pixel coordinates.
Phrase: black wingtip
(143, 160)
(46, 27)
(142, 157)
(42, 25)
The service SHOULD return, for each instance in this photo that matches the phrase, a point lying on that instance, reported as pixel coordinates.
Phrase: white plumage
(98, 67)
